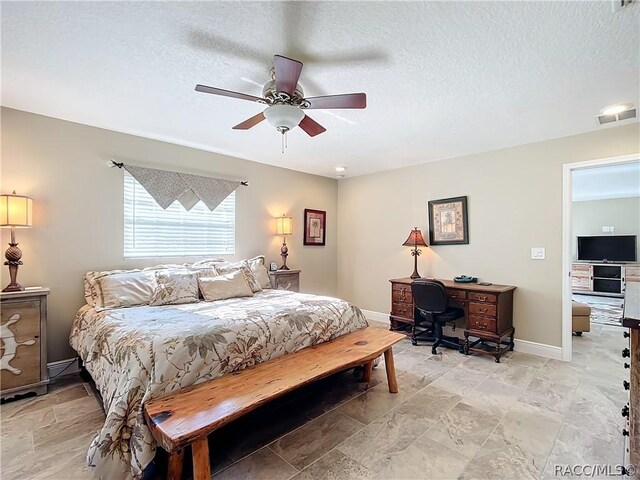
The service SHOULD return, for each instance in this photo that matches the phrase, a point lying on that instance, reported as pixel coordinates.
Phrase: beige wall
(515, 203)
(590, 216)
(78, 218)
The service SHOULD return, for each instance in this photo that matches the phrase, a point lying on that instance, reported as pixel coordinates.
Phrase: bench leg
(175, 465)
(366, 377)
(201, 466)
(391, 370)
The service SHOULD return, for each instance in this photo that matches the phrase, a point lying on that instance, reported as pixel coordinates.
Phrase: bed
(138, 353)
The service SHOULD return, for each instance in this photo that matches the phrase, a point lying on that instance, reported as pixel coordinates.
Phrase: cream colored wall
(78, 218)
(515, 203)
(621, 213)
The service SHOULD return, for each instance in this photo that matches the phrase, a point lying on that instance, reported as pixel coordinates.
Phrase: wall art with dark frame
(448, 221)
(315, 227)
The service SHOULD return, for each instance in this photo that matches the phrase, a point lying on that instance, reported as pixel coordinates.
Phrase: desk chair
(434, 309)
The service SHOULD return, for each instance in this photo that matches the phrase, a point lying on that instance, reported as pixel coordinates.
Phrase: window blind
(150, 231)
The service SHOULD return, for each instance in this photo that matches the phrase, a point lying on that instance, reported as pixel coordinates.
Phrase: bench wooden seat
(187, 416)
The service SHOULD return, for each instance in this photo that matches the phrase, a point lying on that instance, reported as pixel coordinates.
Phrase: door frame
(567, 238)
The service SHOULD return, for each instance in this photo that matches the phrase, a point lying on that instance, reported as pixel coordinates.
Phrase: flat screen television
(612, 248)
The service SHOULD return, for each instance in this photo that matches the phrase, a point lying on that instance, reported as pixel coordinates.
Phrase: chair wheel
(434, 351)
(579, 334)
(497, 359)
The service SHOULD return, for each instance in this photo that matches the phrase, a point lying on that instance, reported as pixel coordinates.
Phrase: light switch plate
(538, 253)
(605, 229)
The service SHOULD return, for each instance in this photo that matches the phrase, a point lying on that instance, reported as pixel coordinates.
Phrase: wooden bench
(187, 416)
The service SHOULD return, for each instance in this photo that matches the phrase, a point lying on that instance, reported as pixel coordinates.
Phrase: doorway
(569, 239)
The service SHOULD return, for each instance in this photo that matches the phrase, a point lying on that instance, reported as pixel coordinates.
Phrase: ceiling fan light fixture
(284, 117)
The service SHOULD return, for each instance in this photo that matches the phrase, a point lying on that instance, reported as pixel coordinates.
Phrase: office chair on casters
(432, 306)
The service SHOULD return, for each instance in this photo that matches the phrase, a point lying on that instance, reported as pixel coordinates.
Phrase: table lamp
(284, 228)
(415, 240)
(16, 211)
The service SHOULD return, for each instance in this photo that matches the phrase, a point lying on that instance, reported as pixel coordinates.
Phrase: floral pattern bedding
(138, 353)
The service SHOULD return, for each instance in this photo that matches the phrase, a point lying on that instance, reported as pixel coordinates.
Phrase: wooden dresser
(285, 279)
(631, 357)
(23, 363)
(488, 313)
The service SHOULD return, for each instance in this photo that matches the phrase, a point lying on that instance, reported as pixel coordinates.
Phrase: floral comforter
(138, 353)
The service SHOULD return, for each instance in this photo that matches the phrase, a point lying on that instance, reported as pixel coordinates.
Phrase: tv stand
(603, 279)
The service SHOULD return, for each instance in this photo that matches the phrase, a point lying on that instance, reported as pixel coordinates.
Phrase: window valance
(166, 187)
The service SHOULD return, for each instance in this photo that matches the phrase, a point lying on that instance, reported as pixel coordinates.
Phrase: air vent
(626, 115)
(618, 5)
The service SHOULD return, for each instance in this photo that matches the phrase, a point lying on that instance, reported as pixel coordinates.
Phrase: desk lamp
(415, 240)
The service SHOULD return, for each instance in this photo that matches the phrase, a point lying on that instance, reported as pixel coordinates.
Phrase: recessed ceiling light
(615, 109)
(340, 169)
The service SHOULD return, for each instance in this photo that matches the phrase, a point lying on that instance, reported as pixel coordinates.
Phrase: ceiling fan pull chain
(282, 142)
(285, 139)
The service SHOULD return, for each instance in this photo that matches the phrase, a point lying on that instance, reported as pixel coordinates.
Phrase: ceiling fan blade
(250, 122)
(348, 100)
(312, 127)
(226, 93)
(287, 73)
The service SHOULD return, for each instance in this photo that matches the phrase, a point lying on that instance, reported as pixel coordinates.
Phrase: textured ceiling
(610, 181)
(443, 79)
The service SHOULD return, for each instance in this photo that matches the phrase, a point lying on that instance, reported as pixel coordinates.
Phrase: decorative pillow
(229, 285)
(126, 289)
(92, 291)
(242, 265)
(260, 271)
(174, 288)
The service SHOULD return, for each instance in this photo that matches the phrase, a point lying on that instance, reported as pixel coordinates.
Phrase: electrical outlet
(538, 253)
(605, 229)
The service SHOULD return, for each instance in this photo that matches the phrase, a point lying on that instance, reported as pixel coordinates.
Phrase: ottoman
(581, 318)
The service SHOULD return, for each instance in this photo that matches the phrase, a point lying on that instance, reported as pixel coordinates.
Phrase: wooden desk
(631, 320)
(488, 313)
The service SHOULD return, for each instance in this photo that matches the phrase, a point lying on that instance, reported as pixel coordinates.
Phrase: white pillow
(229, 285)
(173, 288)
(242, 265)
(126, 289)
(260, 271)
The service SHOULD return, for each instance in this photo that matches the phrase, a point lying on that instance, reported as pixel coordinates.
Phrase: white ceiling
(610, 181)
(443, 79)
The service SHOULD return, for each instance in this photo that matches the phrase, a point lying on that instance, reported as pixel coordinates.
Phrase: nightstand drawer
(482, 309)
(285, 280)
(20, 334)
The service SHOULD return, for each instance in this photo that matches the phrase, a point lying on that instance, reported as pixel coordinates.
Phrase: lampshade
(415, 239)
(16, 210)
(283, 225)
(284, 117)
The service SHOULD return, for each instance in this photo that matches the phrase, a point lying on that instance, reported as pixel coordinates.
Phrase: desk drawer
(402, 310)
(482, 309)
(482, 297)
(486, 324)
(401, 294)
(457, 294)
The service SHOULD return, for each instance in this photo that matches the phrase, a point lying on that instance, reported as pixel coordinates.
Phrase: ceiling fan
(286, 101)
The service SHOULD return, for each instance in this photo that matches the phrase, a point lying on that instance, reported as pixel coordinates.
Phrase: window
(150, 231)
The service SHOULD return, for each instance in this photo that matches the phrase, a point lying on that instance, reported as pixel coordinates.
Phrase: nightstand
(23, 361)
(285, 280)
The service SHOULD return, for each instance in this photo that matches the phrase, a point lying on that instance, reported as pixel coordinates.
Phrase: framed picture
(448, 223)
(273, 266)
(315, 227)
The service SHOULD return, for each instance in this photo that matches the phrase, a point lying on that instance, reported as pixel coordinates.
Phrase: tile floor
(455, 417)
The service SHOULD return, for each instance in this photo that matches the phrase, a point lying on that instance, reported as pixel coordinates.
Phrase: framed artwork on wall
(448, 222)
(315, 227)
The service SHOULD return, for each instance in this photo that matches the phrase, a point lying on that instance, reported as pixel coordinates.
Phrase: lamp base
(415, 275)
(284, 253)
(13, 286)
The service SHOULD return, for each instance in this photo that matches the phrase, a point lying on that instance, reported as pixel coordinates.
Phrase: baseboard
(65, 367)
(540, 349)
(524, 346)
(378, 319)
